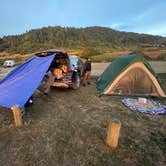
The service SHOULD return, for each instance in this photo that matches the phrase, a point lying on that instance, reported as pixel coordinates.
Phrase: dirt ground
(68, 128)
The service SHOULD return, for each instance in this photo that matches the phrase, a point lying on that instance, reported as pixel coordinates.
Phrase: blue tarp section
(20, 84)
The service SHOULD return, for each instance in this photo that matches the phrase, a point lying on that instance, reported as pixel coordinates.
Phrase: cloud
(157, 29)
(144, 16)
(151, 21)
(117, 25)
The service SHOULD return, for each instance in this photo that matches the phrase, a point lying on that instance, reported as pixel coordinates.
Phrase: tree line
(74, 38)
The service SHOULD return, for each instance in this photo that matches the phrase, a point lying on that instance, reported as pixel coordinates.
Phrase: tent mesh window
(131, 83)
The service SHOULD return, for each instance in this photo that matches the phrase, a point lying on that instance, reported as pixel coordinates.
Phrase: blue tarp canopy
(20, 84)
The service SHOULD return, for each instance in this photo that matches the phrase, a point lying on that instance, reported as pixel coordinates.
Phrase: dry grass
(18, 58)
(104, 56)
(154, 54)
(69, 128)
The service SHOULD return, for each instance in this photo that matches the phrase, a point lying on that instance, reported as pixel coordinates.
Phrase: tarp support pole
(17, 115)
(113, 134)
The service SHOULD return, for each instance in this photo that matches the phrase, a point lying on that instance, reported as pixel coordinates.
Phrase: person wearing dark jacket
(87, 72)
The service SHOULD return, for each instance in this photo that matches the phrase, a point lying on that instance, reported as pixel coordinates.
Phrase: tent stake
(17, 115)
(113, 134)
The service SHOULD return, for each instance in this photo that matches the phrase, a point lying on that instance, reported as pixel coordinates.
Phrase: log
(113, 134)
(17, 115)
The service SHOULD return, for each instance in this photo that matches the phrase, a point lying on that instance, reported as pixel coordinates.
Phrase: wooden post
(113, 134)
(17, 115)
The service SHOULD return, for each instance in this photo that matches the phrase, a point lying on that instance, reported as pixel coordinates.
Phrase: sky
(142, 16)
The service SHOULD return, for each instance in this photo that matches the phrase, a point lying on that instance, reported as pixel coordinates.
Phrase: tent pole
(17, 115)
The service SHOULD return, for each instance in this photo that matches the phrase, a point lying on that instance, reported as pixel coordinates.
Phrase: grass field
(101, 55)
(68, 128)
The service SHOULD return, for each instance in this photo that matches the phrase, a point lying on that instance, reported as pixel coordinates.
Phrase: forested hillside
(75, 38)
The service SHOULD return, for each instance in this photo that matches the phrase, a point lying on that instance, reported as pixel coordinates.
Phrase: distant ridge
(75, 38)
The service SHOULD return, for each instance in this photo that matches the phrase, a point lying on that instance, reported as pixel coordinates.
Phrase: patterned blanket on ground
(148, 106)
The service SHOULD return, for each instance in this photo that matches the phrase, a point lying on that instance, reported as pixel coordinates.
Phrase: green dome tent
(129, 75)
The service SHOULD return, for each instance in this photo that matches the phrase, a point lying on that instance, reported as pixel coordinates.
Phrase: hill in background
(77, 38)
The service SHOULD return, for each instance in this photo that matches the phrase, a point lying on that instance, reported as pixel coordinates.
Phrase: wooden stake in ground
(113, 134)
(17, 115)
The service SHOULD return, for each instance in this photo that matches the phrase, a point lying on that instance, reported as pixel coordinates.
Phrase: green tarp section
(117, 67)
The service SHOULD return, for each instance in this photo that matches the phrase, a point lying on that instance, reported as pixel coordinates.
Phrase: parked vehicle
(68, 69)
(9, 63)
